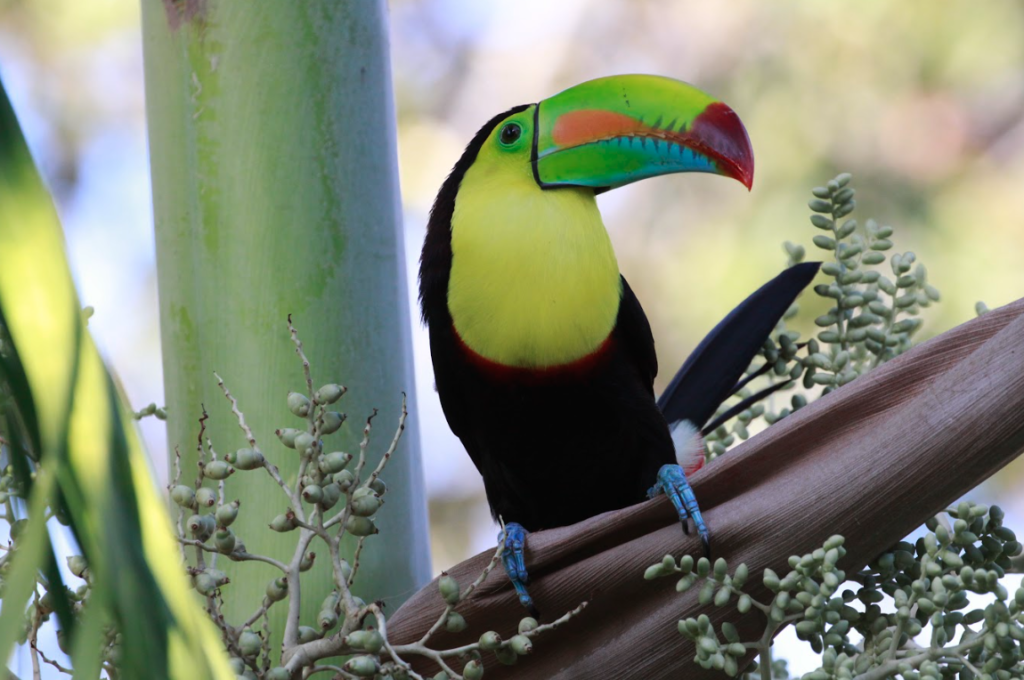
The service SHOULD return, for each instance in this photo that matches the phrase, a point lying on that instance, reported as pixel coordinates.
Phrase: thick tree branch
(871, 461)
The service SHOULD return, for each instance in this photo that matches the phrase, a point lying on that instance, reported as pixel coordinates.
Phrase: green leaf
(88, 644)
(78, 428)
(32, 546)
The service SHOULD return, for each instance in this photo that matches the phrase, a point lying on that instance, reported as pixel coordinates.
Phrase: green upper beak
(611, 131)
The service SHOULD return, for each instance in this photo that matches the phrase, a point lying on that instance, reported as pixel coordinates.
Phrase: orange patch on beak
(592, 125)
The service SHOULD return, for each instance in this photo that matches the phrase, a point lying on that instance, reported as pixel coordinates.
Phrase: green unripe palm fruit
(298, 404)
(454, 623)
(328, 394)
(365, 505)
(474, 670)
(308, 634)
(245, 459)
(521, 645)
(277, 589)
(224, 540)
(201, 526)
(249, 643)
(345, 479)
(366, 640)
(356, 639)
(654, 571)
(77, 565)
(332, 422)
(306, 563)
(331, 496)
(277, 673)
(226, 514)
(183, 496)
(206, 497)
(373, 642)
(287, 436)
(334, 462)
(740, 577)
(304, 443)
(449, 588)
(218, 469)
(490, 640)
(360, 526)
(312, 494)
(330, 603)
(327, 620)
(527, 623)
(283, 523)
(205, 584)
(362, 666)
(218, 576)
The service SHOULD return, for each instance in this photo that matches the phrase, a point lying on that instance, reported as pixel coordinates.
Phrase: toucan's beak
(611, 131)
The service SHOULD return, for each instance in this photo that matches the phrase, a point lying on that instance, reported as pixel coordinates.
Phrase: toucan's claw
(672, 482)
(514, 539)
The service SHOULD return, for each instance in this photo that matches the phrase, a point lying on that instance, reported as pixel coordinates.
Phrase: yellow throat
(534, 281)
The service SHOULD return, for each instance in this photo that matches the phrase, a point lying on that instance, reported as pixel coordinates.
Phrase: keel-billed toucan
(543, 358)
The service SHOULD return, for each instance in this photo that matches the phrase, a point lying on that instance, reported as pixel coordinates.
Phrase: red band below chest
(579, 369)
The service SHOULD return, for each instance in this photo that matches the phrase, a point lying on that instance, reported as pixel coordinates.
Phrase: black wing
(711, 372)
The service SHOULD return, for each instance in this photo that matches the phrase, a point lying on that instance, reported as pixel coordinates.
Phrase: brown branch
(870, 461)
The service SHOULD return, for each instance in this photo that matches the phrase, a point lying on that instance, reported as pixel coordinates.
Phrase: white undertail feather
(689, 446)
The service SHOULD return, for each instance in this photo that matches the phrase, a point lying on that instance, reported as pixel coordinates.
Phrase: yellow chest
(534, 280)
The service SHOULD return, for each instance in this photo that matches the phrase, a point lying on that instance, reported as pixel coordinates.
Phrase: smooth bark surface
(275, 192)
(870, 461)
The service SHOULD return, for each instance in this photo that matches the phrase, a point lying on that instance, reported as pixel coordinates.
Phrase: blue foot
(672, 482)
(514, 538)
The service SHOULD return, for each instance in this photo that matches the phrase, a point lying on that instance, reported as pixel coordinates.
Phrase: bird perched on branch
(543, 357)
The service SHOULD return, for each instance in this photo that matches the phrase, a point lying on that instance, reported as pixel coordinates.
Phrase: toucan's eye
(510, 133)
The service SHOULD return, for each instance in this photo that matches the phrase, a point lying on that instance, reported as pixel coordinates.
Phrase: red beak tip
(724, 134)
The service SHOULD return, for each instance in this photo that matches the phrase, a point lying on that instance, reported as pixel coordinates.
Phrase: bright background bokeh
(923, 102)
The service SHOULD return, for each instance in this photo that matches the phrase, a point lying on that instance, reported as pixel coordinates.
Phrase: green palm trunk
(271, 128)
